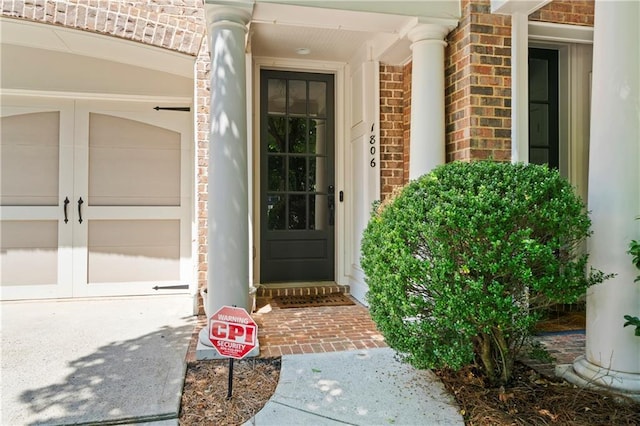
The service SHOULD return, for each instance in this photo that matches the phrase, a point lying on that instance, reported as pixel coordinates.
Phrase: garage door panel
(29, 254)
(132, 163)
(139, 250)
(29, 160)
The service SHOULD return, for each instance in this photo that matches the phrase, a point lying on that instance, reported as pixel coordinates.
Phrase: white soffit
(517, 6)
(327, 18)
(277, 30)
(50, 37)
(560, 32)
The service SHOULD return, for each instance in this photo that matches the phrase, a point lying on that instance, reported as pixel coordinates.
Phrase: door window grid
(296, 158)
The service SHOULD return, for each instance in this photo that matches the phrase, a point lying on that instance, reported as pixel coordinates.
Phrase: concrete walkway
(361, 387)
(103, 360)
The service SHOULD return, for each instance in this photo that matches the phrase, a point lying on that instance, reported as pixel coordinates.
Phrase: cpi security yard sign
(232, 332)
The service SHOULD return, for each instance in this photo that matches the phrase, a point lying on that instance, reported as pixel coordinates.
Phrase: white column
(427, 143)
(612, 356)
(228, 198)
(519, 87)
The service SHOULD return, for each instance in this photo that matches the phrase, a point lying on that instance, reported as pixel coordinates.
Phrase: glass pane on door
(317, 98)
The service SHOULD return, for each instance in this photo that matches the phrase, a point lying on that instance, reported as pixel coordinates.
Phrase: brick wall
(478, 76)
(391, 129)
(406, 101)
(203, 98)
(574, 12)
(173, 24)
(478, 85)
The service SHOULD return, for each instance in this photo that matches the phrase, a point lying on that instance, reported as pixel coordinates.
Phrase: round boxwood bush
(462, 261)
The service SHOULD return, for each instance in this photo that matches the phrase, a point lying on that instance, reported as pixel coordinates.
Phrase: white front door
(123, 186)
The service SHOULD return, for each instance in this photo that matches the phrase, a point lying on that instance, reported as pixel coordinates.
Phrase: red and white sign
(232, 332)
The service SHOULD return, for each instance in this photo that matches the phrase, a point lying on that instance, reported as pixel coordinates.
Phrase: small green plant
(462, 262)
(538, 352)
(634, 250)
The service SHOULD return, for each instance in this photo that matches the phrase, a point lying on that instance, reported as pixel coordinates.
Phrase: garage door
(95, 198)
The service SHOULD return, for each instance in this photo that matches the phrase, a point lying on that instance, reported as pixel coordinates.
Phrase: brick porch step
(303, 289)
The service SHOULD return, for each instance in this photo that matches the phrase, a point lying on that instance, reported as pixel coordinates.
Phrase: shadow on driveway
(94, 360)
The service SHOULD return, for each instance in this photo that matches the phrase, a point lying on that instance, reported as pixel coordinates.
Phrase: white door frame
(574, 45)
(338, 70)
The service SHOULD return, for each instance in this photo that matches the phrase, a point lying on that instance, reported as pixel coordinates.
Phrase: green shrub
(634, 251)
(463, 260)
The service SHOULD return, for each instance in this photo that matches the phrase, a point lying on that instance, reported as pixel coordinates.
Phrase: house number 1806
(372, 147)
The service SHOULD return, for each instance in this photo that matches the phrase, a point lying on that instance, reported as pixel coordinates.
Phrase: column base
(205, 350)
(585, 374)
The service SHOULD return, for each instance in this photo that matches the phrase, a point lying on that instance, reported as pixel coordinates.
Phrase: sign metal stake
(230, 385)
(233, 333)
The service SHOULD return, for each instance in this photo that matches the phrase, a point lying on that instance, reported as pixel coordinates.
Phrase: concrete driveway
(112, 361)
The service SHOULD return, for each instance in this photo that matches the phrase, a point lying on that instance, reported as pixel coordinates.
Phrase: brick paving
(283, 331)
(313, 330)
(564, 347)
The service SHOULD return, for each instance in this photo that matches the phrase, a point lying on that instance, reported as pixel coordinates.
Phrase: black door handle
(80, 209)
(332, 204)
(66, 203)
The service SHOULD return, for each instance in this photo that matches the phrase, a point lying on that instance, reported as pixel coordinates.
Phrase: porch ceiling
(330, 35)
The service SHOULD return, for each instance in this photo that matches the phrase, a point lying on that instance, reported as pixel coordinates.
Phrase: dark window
(543, 107)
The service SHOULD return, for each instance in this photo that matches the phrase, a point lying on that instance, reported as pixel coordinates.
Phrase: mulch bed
(562, 321)
(204, 397)
(530, 400)
(535, 400)
(313, 300)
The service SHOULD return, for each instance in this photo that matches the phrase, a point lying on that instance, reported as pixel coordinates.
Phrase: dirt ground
(530, 400)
